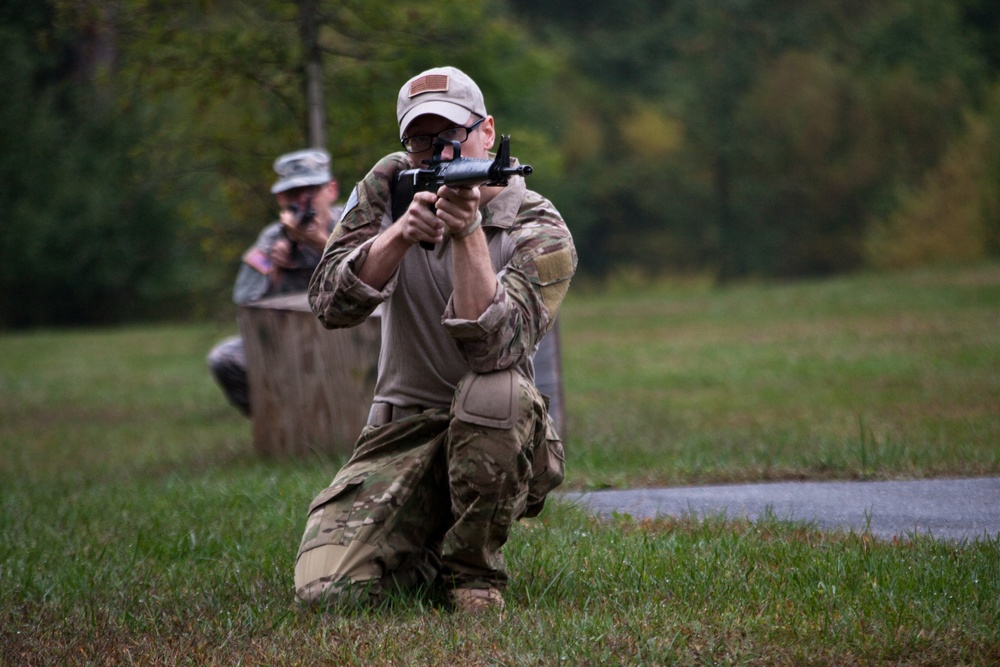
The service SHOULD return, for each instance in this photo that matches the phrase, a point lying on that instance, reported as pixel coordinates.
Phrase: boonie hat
(301, 168)
(443, 91)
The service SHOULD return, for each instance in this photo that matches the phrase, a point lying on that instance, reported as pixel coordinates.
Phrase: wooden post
(310, 387)
(548, 377)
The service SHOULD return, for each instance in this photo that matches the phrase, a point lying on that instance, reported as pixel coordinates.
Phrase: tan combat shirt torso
(425, 349)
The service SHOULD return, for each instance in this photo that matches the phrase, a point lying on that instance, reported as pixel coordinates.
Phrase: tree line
(734, 137)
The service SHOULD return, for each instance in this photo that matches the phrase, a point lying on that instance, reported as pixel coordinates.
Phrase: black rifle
(303, 218)
(458, 171)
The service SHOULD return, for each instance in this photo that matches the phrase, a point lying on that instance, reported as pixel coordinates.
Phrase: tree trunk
(309, 31)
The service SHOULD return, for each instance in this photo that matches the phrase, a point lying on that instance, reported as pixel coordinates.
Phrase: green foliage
(981, 18)
(800, 122)
(990, 193)
(230, 80)
(944, 220)
(741, 137)
(85, 238)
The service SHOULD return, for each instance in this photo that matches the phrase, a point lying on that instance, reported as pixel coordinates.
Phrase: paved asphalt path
(947, 509)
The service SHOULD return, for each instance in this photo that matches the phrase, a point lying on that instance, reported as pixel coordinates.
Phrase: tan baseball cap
(443, 91)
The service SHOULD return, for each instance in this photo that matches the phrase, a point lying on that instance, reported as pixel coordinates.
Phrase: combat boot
(476, 600)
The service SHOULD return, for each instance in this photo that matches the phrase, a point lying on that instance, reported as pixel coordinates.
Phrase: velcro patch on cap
(431, 83)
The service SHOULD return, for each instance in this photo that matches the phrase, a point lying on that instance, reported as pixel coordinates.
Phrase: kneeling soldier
(459, 443)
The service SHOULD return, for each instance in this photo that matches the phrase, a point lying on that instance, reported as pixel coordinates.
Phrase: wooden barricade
(310, 387)
(548, 377)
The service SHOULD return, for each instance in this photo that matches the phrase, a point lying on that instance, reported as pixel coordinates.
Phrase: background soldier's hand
(311, 234)
(281, 253)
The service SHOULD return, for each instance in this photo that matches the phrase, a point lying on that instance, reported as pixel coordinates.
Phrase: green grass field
(137, 526)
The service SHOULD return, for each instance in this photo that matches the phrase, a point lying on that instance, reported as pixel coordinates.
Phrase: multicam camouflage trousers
(432, 497)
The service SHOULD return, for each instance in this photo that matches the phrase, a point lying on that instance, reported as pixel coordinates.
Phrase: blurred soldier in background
(284, 256)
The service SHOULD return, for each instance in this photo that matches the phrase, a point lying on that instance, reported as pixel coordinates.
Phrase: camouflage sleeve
(250, 283)
(531, 290)
(336, 295)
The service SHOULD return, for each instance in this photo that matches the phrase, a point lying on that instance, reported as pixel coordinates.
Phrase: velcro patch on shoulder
(352, 202)
(552, 295)
(554, 266)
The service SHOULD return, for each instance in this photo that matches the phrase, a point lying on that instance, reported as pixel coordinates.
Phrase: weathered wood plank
(310, 387)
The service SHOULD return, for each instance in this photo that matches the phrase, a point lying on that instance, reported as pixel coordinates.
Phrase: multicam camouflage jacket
(425, 349)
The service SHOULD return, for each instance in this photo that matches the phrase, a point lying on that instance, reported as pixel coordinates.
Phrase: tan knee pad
(489, 399)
